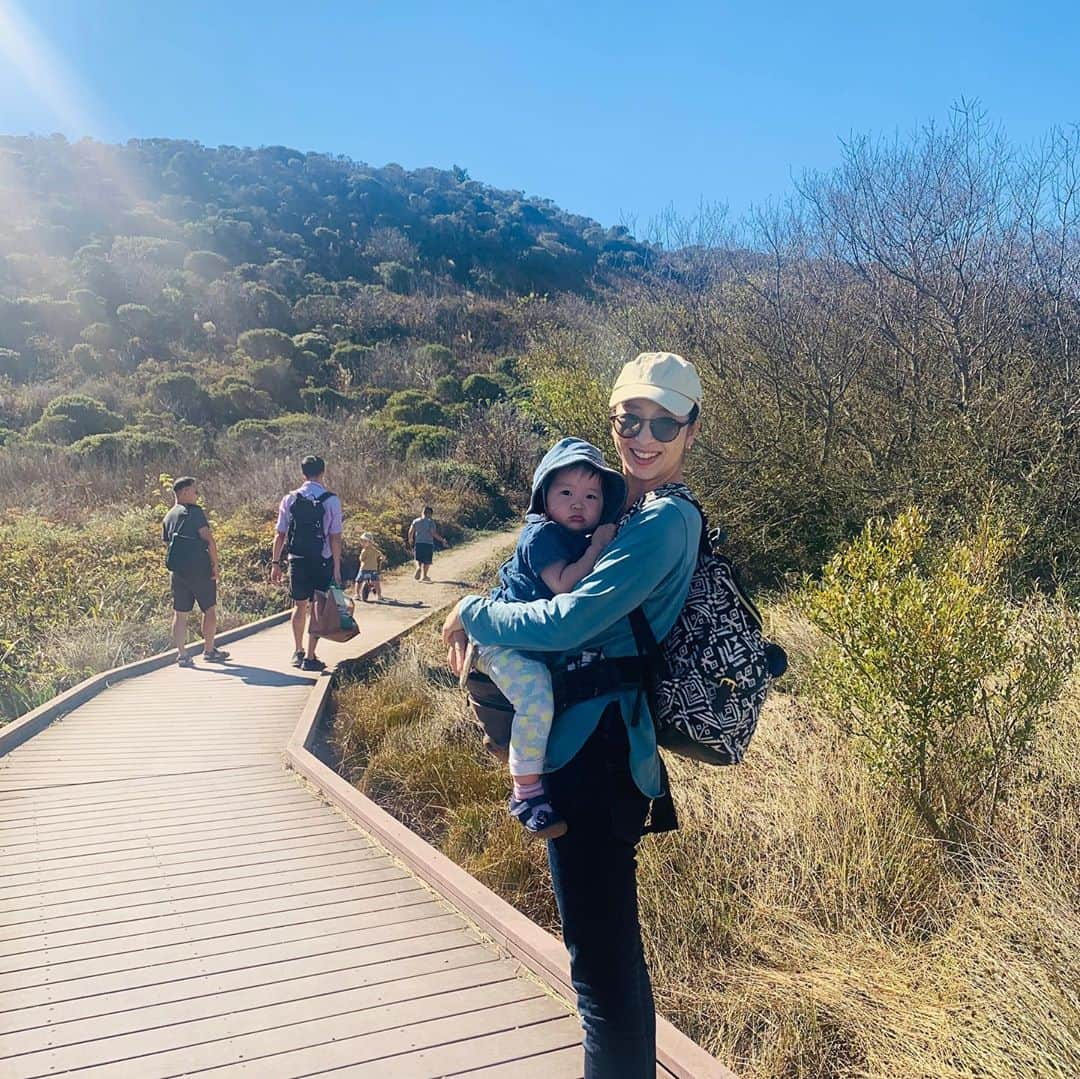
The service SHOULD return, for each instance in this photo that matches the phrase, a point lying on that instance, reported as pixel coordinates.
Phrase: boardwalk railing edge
(26, 726)
(535, 947)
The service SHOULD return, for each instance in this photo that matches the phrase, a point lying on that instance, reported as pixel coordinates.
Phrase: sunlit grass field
(801, 924)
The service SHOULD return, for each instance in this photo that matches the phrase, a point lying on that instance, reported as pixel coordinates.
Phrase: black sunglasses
(664, 428)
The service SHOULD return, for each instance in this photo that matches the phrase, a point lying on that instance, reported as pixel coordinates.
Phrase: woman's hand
(456, 639)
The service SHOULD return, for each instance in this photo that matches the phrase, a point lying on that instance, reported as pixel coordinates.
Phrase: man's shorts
(425, 552)
(368, 575)
(186, 592)
(304, 579)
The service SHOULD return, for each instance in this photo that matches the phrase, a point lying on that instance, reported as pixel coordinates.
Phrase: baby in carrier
(575, 499)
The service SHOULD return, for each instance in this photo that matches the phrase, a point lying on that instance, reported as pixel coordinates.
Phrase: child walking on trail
(367, 577)
(575, 497)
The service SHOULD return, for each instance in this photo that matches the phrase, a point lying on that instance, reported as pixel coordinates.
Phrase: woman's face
(645, 458)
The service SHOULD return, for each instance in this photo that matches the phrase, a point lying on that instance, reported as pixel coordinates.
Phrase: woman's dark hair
(693, 415)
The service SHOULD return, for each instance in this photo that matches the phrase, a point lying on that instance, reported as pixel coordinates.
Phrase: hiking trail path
(185, 889)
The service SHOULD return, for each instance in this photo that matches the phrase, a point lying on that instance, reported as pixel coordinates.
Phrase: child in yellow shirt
(367, 579)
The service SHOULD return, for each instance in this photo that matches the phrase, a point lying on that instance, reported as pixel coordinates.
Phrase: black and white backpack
(708, 679)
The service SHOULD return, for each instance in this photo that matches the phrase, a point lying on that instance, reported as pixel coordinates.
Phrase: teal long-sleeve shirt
(649, 563)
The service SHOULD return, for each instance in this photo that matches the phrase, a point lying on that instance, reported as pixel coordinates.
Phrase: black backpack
(307, 533)
(707, 680)
(187, 555)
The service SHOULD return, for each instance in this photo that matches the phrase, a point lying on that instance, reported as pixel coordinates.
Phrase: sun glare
(40, 73)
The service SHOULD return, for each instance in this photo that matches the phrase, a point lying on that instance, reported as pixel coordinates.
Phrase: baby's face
(575, 499)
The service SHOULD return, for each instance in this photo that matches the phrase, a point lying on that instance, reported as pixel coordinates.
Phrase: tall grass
(81, 558)
(802, 923)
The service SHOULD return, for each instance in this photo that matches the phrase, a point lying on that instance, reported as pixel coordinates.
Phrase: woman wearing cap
(603, 769)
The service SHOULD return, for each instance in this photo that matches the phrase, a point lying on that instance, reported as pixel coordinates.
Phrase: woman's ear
(692, 433)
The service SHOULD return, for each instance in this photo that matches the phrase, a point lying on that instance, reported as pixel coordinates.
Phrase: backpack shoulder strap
(320, 499)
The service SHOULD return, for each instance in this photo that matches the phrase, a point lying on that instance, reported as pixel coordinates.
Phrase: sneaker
(537, 817)
(215, 655)
(298, 658)
(184, 661)
(312, 665)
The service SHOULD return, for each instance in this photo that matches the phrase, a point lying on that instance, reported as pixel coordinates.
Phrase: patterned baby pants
(526, 684)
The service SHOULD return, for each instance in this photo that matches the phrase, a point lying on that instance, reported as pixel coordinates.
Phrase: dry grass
(799, 925)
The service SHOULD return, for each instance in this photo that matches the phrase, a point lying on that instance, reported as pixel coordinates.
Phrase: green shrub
(126, 448)
(448, 390)
(266, 344)
(429, 443)
(70, 417)
(102, 335)
(370, 398)
(430, 440)
(415, 407)
(313, 342)
(395, 277)
(207, 264)
(939, 674)
(182, 395)
(482, 388)
(323, 399)
(355, 360)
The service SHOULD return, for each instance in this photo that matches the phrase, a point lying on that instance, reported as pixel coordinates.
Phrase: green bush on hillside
(940, 675)
(323, 399)
(126, 448)
(482, 388)
(266, 344)
(70, 417)
(415, 407)
(419, 440)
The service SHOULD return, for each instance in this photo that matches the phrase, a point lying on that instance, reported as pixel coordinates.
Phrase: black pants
(593, 869)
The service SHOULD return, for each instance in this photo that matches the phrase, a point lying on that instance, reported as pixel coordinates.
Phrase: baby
(575, 497)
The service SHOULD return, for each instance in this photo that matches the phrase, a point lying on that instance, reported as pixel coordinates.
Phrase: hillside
(218, 284)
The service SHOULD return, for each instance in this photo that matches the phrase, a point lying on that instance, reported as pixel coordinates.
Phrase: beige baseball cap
(663, 377)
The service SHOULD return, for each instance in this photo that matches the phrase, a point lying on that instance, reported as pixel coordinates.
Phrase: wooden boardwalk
(174, 902)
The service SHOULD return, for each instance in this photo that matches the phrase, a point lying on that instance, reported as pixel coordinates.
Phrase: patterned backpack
(707, 681)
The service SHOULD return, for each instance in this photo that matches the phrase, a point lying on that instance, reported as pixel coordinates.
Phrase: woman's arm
(651, 545)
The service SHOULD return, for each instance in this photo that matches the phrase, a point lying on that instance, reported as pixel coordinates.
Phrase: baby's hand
(603, 535)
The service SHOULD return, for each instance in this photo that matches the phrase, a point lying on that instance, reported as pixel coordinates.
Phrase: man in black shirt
(192, 560)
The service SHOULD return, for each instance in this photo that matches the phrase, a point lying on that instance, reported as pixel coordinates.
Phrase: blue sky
(610, 109)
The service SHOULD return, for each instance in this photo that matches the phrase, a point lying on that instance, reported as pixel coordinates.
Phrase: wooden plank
(200, 883)
(277, 944)
(310, 881)
(69, 838)
(16, 732)
(203, 789)
(142, 1009)
(566, 1063)
(500, 1049)
(168, 849)
(193, 912)
(181, 1025)
(345, 844)
(180, 979)
(170, 927)
(371, 1035)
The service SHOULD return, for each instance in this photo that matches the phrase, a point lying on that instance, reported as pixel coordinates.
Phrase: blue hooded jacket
(542, 541)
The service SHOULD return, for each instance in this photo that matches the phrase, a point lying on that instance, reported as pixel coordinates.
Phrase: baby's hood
(576, 451)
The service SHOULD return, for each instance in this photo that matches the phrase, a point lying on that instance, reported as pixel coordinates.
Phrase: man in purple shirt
(309, 526)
